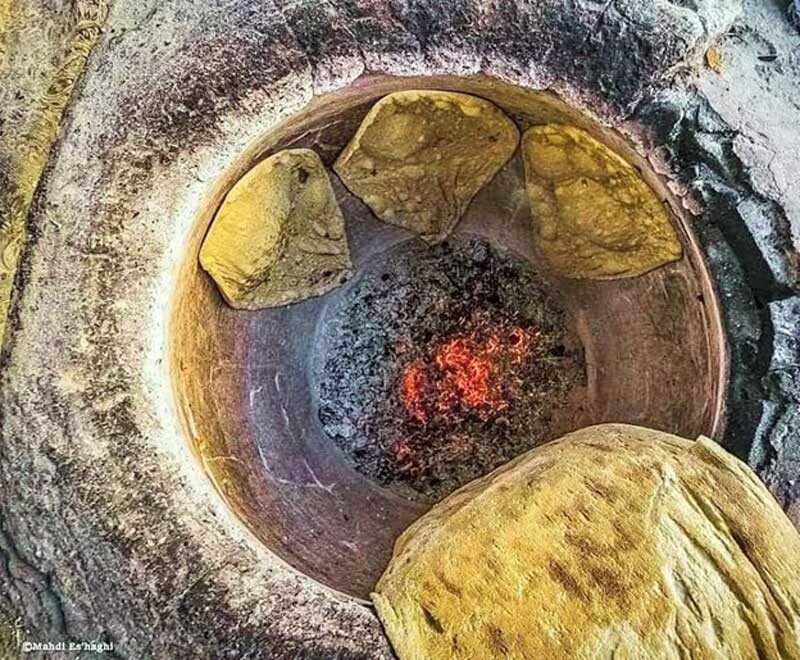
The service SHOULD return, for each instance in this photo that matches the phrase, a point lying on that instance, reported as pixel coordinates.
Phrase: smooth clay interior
(652, 349)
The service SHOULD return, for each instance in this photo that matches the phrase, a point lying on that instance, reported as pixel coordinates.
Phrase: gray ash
(437, 364)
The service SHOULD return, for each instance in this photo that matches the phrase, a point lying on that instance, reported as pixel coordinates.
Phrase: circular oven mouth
(329, 425)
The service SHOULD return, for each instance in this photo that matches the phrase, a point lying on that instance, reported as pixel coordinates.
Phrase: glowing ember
(473, 371)
(440, 363)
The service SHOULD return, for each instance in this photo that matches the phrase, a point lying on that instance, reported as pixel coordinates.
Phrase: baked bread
(419, 157)
(594, 215)
(279, 235)
(613, 542)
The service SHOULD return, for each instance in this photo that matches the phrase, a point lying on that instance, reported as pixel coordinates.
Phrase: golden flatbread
(420, 157)
(279, 235)
(594, 216)
(613, 542)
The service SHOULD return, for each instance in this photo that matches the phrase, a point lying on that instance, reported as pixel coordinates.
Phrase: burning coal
(441, 363)
(475, 371)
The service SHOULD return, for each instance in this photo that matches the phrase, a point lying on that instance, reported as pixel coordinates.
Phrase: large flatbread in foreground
(614, 542)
